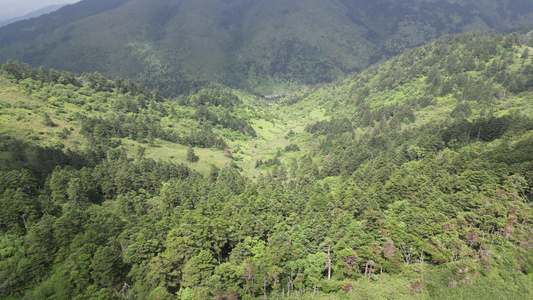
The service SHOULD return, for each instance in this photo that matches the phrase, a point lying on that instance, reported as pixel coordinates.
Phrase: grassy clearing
(317, 115)
(176, 153)
(265, 130)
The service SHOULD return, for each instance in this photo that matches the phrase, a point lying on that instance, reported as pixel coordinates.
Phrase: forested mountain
(410, 180)
(258, 45)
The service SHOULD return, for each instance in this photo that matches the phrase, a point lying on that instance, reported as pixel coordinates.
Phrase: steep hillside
(460, 88)
(410, 180)
(262, 46)
(66, 112)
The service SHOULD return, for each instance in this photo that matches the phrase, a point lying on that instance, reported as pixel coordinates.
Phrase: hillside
(409, 180)
(261, 46)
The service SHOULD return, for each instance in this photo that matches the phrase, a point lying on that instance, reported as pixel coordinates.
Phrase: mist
(17, 8)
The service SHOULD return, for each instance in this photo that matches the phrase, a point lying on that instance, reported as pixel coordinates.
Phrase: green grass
(176, 153)
(265, 130)
(23, 117)
(317, 115)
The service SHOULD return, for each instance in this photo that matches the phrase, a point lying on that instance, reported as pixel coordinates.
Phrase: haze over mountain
(263, 46)
(34, 14)
(16, 9)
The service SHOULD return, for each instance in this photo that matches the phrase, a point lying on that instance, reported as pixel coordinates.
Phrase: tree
(314, 265)
(48, 121)
(327, 246)
(76, 193)
(198, 269)
(17, 208)
(106, 265)
(213, 173)
(525, 54)
(160, 293)
(191, 156)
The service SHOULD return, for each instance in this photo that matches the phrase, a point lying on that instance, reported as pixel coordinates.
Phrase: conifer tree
(191, 156)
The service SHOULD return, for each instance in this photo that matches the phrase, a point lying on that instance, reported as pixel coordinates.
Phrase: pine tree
(191, 156)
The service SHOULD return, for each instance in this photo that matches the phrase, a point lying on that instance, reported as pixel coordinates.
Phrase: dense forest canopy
(410, 180)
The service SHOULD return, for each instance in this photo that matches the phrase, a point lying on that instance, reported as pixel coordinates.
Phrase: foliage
(413, 182)
(241, 43)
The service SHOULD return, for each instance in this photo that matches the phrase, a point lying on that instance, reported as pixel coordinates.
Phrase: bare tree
(329, 262)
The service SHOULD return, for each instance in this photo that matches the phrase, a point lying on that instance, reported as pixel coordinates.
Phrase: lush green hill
(410, 180)
(262, 46)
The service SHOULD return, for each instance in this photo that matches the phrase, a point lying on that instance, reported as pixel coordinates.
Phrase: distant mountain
(34, 14)
(263, 46)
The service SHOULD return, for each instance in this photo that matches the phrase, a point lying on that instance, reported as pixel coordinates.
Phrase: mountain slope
(262, 46)
(410, 180)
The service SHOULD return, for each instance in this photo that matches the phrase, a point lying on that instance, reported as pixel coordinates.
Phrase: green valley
(411, 179)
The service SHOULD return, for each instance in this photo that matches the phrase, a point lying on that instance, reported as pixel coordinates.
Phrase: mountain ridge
(34, 14)
(262, 46)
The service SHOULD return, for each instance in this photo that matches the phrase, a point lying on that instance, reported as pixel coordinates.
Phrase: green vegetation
(262, 46)
(410, 180)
